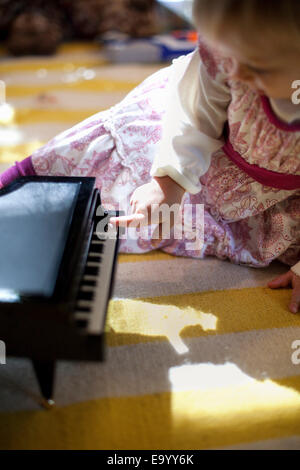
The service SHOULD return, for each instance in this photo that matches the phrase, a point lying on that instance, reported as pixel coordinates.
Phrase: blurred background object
(180, 8)
(155, 49)
(38, 27)
(62, 61)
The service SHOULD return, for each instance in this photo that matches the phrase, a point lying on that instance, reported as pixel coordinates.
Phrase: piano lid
(35, 221)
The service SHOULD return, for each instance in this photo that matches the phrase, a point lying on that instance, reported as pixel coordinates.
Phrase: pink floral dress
(245, 221)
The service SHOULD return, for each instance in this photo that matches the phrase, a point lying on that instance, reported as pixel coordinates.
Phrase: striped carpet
(199, 352)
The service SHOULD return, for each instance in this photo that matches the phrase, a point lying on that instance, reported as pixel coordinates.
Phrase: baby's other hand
(285, 280)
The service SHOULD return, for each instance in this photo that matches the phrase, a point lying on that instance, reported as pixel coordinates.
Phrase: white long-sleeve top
(196, 111)
(192, 126)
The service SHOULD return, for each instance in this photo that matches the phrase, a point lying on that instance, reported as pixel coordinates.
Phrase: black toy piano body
(57, 264)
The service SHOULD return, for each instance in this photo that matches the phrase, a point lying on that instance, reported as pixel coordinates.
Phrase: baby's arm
(196, 110)
(192, 127)
(23, 168)
(292, 277)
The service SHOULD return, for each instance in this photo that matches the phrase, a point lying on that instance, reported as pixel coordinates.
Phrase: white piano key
(85, 303)
(91, 253)
(87, 288)
(89, 277)
(93, 264)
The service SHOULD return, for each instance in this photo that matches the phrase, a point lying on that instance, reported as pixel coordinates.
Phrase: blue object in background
(160, 48)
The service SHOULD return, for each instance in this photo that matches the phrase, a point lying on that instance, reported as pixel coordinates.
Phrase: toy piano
(57, 265)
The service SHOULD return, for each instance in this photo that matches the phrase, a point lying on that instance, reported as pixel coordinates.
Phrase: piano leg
(45, 372)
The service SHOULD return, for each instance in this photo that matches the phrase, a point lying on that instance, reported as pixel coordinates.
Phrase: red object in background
(191, 36)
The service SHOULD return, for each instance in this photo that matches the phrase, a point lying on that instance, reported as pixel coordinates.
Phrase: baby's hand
(285, 280)
(145, 202)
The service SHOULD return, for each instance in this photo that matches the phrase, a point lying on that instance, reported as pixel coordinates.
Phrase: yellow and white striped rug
(199, 352)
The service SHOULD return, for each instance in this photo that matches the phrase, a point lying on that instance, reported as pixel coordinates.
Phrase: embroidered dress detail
(263, 176)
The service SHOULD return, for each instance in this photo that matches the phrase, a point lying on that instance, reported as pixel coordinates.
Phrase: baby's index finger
(125, 220)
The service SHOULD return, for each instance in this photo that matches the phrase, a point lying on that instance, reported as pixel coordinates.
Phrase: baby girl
(219, 127)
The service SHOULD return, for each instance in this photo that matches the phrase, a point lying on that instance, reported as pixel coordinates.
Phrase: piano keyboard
(95, 285)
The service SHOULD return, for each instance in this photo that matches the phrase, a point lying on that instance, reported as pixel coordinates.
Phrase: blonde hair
(252, 20)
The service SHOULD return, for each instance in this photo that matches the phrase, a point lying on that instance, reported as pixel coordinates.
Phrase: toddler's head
(262, 37)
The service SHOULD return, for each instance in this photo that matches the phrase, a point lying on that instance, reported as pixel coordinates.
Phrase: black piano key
(89, 282)
(82, 324)
(80, 308)
(92, 270)
(96, 247)
(85, 295)
(94, 259)
(82, 316)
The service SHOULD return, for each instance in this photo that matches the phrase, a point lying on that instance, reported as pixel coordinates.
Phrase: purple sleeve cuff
(23, 168)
